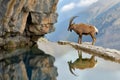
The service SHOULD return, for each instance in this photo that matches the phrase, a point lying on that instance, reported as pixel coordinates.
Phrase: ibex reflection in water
(82, 63)
(83, 29)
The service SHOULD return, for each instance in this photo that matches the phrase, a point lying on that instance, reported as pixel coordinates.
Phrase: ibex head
(71, 25)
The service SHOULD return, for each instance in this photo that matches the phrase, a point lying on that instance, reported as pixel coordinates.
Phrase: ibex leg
(93, 38)
(80, 39)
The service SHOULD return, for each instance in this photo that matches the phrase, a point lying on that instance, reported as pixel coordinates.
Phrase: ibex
(82, 63)
(83, 29)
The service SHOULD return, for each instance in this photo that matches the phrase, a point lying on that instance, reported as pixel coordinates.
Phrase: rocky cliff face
(26, 20)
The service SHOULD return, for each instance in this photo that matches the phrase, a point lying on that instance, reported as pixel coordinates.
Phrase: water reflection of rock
(82, 63)
(32, 64)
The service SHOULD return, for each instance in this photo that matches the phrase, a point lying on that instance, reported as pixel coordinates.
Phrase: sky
(75, 4)
(67, 8)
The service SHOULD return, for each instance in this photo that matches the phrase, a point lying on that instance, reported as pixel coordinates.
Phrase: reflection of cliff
(82, 63)
(32, 64)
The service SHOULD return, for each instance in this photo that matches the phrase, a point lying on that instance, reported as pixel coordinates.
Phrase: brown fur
(82, 29)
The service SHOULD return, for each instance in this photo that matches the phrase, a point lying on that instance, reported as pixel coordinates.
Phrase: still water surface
(52, 63)
(103, 70)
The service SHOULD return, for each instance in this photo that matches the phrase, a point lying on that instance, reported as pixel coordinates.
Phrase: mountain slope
(108, 23)
(104, 14)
